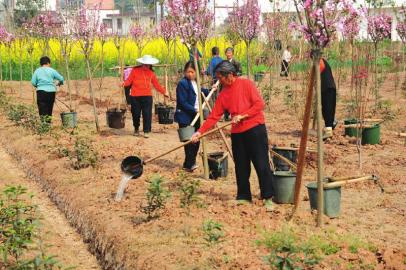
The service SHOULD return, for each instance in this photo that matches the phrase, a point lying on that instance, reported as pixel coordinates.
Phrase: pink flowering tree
(119, 42)
(103, 37)
(30, 42)
(141, 37)
(190, 17)
(379, 28)
(232, 37)
(64, 37)
(317, 22)
(401, 25)
(349, 26)
(167, 31)
(86, 29)
(8, 43)
(244, 20)
(43, 27)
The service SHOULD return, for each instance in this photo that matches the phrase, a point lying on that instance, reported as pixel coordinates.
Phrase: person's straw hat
(148, 60)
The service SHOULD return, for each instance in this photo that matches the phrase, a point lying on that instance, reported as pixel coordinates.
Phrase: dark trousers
(45, 102)
(191, 149)
(144, 105)
(328, 105)
(127, 94)
(284, 68)
(252, 146)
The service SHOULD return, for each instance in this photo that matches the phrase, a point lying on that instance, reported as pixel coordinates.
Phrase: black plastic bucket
(281, 165)
(218, 165)
(166, 115)
(156, 106)
(132, 165)
(116, 118)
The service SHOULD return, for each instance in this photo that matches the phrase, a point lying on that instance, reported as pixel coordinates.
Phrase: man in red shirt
(248, 133)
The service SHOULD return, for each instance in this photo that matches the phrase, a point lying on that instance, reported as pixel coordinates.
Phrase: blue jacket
(213, 63)
(185, 102)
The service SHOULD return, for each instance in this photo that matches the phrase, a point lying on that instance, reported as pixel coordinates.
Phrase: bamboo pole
(303, 139)
(204, 104)
(186, 143)
(320, 163)
(199, 90)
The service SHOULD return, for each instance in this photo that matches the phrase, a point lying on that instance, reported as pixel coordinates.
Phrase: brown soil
(175, 240)
(60, 239)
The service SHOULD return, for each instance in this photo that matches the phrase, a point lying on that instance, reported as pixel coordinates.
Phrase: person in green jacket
(44, 79)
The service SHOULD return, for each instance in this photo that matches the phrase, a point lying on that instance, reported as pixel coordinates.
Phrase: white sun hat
(148, 60)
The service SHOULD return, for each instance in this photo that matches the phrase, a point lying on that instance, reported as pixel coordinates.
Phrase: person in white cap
(140, 79)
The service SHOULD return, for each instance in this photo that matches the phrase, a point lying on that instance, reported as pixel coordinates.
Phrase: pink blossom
(273, 26)
(379, 27)
(192, 19)
(244, 20)
(401, 26)
(167, 30)
(320, 21)
(87, 27)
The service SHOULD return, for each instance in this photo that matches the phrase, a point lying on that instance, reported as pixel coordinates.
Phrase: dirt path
(64, 241)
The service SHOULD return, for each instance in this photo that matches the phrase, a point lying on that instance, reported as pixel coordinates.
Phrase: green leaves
(213, 231)
(157, 196)
(17, 223)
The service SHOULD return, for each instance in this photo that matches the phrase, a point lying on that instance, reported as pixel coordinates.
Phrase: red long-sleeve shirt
(239, 98)
(140, 80)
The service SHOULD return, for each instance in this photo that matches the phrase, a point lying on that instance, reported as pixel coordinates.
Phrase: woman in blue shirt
(187, 106)
(44, 80)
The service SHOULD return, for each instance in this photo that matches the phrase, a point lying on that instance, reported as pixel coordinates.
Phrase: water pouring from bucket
(132, 166)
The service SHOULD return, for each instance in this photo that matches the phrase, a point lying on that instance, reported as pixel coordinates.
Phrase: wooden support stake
(199, 90)
(320, 162)
(303, 140)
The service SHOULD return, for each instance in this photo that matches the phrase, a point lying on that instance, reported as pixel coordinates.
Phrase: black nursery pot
(116, 118)
(166, 115)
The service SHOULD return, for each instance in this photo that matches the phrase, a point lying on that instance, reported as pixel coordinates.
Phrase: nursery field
(206, 229)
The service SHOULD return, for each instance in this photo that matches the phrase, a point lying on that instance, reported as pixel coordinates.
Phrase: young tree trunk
(199, 90)
(102, 71)
(352, 67)
(248, 59)
(320, 163)
(66, 57)
(10, 67)
(376, 92)
(21, 69)
(1, 69)
(30, 53)
(89, 74)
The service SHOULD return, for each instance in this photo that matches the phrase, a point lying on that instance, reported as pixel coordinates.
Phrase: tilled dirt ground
(59, 238)
(175, 240)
